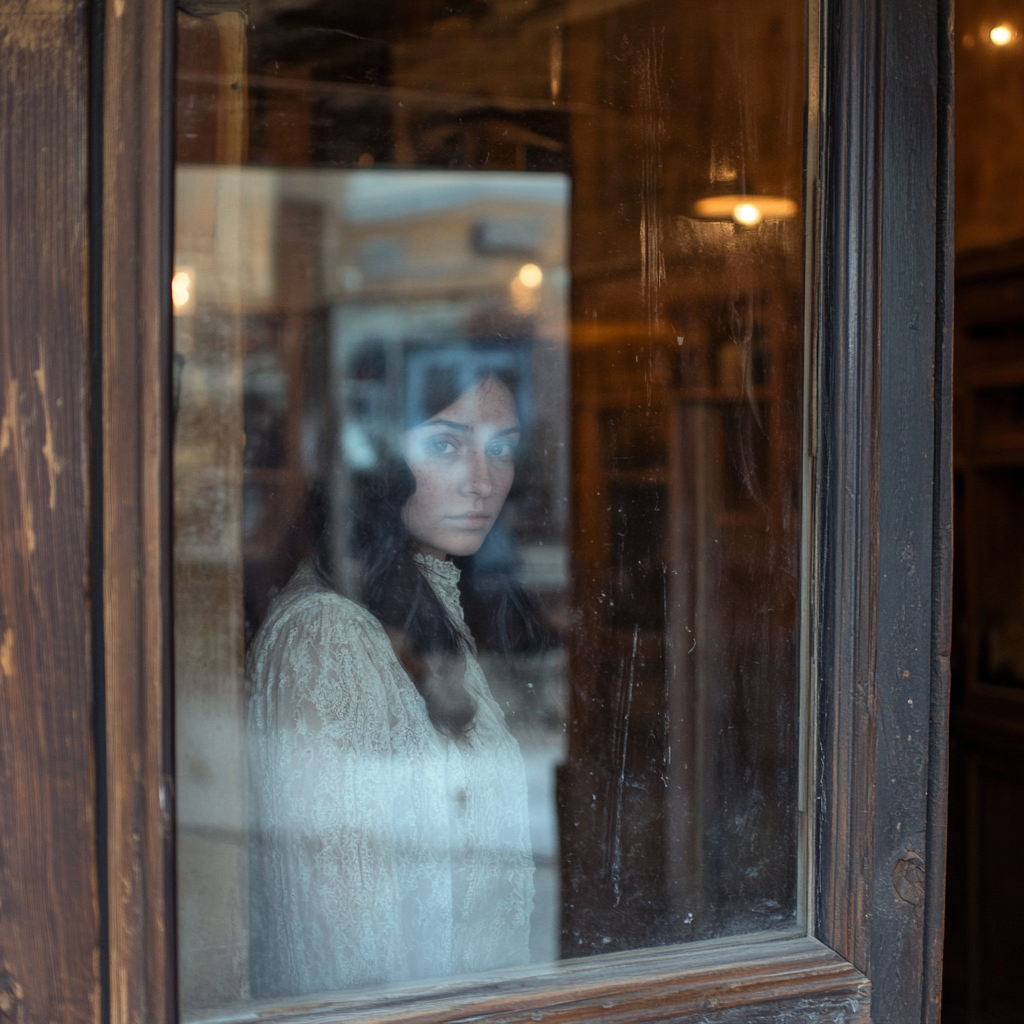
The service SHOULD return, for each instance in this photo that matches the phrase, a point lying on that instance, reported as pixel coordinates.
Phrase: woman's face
(463, 461)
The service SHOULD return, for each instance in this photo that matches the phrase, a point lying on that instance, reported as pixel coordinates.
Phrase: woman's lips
(471, 520)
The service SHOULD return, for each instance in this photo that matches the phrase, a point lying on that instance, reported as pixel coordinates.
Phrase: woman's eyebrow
(466, 428)
(448, 423)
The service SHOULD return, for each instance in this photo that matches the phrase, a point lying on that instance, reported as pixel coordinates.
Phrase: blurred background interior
(985, 881)
(606, 197)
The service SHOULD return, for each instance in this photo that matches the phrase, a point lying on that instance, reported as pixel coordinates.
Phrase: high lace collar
(443, 577)
(446, 569)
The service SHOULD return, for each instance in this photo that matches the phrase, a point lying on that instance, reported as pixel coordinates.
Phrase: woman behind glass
(390, 834)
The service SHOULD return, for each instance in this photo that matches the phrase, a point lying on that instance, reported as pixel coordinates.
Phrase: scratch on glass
(621, 782)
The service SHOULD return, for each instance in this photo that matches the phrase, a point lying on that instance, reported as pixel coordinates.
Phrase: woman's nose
(478, 475)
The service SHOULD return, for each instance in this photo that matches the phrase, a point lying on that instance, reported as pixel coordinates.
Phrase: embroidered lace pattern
(380, 851)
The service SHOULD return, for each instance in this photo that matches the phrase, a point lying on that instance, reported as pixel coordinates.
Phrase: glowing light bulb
(530, 275)
(181, 290)
(747, 214)
(1001, 35)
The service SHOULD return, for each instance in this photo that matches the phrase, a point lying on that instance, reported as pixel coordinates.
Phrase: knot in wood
(908, 878)
(11, 994)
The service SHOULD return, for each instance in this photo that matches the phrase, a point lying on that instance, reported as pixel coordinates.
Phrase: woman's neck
(431, 552)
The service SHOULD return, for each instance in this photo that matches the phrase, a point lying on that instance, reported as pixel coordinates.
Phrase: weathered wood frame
(880, 563)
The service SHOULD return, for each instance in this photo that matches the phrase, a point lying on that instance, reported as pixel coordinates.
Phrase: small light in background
(524, 287)
(183, 291)
(746, 210)
(1001, 35)
(530, 275)
(747, 214)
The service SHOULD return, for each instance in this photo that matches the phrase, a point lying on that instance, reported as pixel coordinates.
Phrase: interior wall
(989, 126)
(984, 940)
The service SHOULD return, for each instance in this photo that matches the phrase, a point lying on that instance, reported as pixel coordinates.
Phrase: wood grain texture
(884, 515)
(942, 528)
(782, 981)
(914, 514)
(847, 474)
(49, 920)
(876, 404)
(135, 333)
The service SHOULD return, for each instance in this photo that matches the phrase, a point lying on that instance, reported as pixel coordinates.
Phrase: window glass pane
(488, 412)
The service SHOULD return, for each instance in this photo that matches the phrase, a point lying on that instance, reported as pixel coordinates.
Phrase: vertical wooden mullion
(942, 529)
(135, 330)
(847, 469)
(49, 920)
(914, 514)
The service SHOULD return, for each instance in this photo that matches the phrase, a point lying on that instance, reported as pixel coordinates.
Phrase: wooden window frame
(880, 449)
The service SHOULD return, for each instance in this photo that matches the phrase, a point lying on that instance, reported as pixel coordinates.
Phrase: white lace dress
(380, 851)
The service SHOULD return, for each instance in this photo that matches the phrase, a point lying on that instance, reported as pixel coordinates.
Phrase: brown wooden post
(135, 401)
(49, 910)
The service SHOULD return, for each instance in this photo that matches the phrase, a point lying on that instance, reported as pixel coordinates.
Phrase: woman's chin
(464, 550)
(460, 545)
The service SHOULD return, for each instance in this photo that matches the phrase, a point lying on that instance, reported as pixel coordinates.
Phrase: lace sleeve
(324, 911)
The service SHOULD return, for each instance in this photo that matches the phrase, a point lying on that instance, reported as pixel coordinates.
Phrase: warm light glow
(747, 214)
(1001, 35)
(530, 275)
(745, 210)
(182, 289)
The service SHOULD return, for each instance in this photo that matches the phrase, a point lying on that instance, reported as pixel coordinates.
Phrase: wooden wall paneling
(136, 378)
(984, 961)
(232, 89)
(49, 912)
(914, 514)
(986, 763)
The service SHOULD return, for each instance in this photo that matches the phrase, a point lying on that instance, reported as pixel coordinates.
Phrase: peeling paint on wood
(7, 654)
(53, 464)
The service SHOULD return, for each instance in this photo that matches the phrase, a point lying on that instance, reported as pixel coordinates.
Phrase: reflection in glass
(389, 836)
(592, 211)
(353, 417)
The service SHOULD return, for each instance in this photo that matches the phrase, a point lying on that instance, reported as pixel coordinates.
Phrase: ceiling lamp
(1001, 35)
(746, 210)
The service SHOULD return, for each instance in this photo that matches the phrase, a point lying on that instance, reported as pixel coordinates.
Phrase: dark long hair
(428, 643)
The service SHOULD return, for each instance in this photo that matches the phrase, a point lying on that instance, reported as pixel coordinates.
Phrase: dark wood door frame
(134, 449)
(879, 450)
(50, 918)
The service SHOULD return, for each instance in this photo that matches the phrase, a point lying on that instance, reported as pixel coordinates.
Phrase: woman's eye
(439, 446)
(501, 450)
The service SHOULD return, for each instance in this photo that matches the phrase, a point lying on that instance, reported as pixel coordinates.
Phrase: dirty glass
(488, 413)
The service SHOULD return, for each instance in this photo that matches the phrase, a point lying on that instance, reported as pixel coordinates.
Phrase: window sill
(783, 979)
